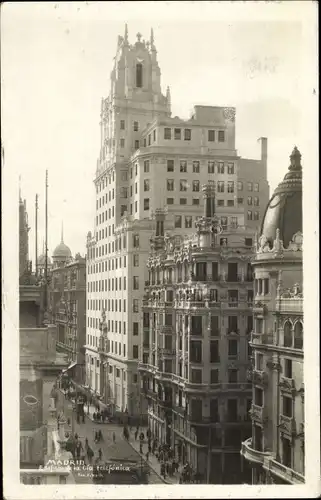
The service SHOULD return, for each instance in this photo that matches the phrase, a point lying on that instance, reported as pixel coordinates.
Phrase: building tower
(134, 100)
(276, 448)
(147, 161)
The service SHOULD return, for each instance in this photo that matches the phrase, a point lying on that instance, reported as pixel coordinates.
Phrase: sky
(56, 62)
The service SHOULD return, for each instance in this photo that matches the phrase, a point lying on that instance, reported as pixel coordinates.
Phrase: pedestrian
(147, 455)
(76, 436)
(78, 449)
(136, 434)
(149, 448)
(98, 416)
(86, 443)
(167, 468)
(94, 416)
(140, 448)
(100, 435)
(114, 437)
(90, 454)
(163, 471)
(100, 454)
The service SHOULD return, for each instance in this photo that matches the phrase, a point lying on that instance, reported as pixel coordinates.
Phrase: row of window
(135, 125)
(112, 264)
(196, 167)
(251, 186)
(118, 244)
(250, 201)
(184, 185)
(253, 215)
(104, 182)
(104, 199)
(186, 134)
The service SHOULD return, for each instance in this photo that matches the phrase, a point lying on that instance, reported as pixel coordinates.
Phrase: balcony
(197, 304)
(252, 455)
(45, 476)
(258, 308)
(287, 385)
(145, 367)
(166, 329)
(260, 377)
(167, 352)
(258, 414)
(289, 305)
(287, 425)
(288, 475)
(262, 338)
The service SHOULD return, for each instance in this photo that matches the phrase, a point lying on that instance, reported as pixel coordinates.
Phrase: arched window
(139, 75)
(287, 341)
(298, 335)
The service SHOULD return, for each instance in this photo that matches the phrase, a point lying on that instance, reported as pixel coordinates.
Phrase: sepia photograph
(160, 303)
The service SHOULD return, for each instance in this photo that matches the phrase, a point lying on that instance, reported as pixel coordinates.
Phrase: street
(108, 447)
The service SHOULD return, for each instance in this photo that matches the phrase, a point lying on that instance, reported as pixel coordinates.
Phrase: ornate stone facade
(275, 449)
(194, 355)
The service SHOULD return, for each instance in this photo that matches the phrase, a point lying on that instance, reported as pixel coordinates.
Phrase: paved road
(108, 447)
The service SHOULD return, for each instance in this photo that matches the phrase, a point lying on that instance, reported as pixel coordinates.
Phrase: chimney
(209, 199)
(264, 145)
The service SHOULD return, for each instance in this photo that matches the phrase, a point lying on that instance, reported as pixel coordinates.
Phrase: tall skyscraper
(148, 161)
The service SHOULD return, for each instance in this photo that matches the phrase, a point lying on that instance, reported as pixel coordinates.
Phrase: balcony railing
(286, 473)
(294, 304)
(166, 329)
(262, 338)
(249, 453)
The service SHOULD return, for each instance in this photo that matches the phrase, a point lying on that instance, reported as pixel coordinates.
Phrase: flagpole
(36, 224)
(46, 251)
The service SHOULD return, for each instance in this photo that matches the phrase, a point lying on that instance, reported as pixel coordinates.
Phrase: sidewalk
(152, 460)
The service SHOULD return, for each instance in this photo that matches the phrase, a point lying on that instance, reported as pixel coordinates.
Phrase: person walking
(136, 434)
(114, 437)
(163, 471)
(100, 454)
(141, 448)
(147, 455)
(86, 443)
(149, 448)
(90, 455)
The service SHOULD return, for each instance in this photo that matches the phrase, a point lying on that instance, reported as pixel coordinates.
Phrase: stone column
(188, 345)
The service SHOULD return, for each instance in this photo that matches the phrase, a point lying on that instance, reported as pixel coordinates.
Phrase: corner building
(276, 448)
(147, 161)
(197, 318)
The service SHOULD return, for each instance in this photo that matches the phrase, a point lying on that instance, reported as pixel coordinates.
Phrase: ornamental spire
(152, 38)
(126, 34)
(295, 159)
(62, 232)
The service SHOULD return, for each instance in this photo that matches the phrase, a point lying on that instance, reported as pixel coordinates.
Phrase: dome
(62, 251)
(284, 210)
(42, 260)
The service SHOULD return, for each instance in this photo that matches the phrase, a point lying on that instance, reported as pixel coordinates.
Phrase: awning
(69, 367)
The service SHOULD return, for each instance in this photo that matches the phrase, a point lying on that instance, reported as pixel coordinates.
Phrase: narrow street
(108, 447)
